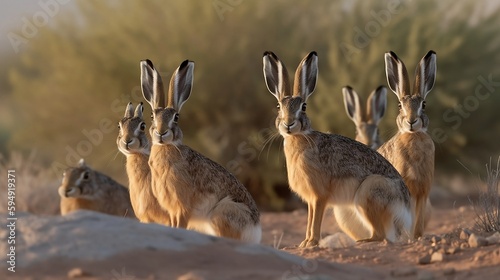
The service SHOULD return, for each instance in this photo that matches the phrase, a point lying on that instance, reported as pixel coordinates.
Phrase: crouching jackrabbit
(88, 189)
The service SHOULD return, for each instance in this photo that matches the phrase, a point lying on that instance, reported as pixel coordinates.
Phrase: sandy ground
(452, 256)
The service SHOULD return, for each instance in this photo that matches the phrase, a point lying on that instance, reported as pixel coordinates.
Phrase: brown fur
(145, 204)
(84, 188)
(366, 121)
(411, 150)
(370, 199)
(197, 192)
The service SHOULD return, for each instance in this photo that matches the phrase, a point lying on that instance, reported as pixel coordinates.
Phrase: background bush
(76, 76)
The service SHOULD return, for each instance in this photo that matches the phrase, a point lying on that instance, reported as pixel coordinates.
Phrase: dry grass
(487, 206)
(36, 185)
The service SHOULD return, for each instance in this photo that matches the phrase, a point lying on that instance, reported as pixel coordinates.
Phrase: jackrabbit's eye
(143, 126)
(278, 106)
(176, 117)
(86, 176)
(423, 105)
(399, 105)
(152, 117)
(304, 107)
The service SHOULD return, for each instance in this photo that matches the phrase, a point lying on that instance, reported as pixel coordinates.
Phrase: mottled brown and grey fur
(367, 131)
(85, 188)
(196, 191)
(411, 150)
(369, 197)
(366, 121)
(133, 142)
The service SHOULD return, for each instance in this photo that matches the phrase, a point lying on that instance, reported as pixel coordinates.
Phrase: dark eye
(423, 105)
(176, 117)
(152, 117)
(304, 107)
(399, 105)
(119, 126)
(86, 176)
(278, 106)
(143, 126)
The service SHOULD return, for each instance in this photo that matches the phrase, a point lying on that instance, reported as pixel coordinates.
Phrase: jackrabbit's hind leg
(233, 220)
(373, 202)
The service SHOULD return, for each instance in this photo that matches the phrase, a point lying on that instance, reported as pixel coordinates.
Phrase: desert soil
(445, 242)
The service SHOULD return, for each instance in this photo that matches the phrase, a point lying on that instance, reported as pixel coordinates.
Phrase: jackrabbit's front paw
(308, 243)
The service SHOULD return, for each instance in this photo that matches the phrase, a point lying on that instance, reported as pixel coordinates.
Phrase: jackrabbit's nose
(289, 125)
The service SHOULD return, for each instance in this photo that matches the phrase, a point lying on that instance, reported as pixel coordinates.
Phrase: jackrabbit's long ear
(376, 104)
(425, 74)
(352, 104)
(181, 85)
(276, 76)
(129, 111)
(138, 110)
(152, 85)
(306, 76)
(397, 76)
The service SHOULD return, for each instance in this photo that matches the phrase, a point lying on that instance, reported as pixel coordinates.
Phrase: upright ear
(81, 163)
(306, 76)
(425, 74)
(275, 75)
(181, 85)
(129, 111)
(352, 105)
(376, 103)
(152, 85)
(138, 110)
(397, 76)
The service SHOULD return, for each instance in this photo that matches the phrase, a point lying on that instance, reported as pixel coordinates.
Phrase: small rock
(476, 241)
(465, 234)
(445, 241)
(437, 257)
(337, 240)
(493, 239)
(449, 271)
(77, 273)
(452, 250)
(435, 239)
(464, 245)
(404, 272)
(425, 259)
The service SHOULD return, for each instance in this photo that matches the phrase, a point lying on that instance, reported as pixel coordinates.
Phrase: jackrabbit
(196, 191)
(367, 131)
(369, 197)
(366, 121)
(411, 150)
(133, 142)
(85, 188)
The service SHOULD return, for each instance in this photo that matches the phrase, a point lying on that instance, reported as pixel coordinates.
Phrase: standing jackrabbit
(366, 121)
(369, 197)
(133, 142)
(411, 150)
(367, 131)
(85, 188)
(196, 191)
